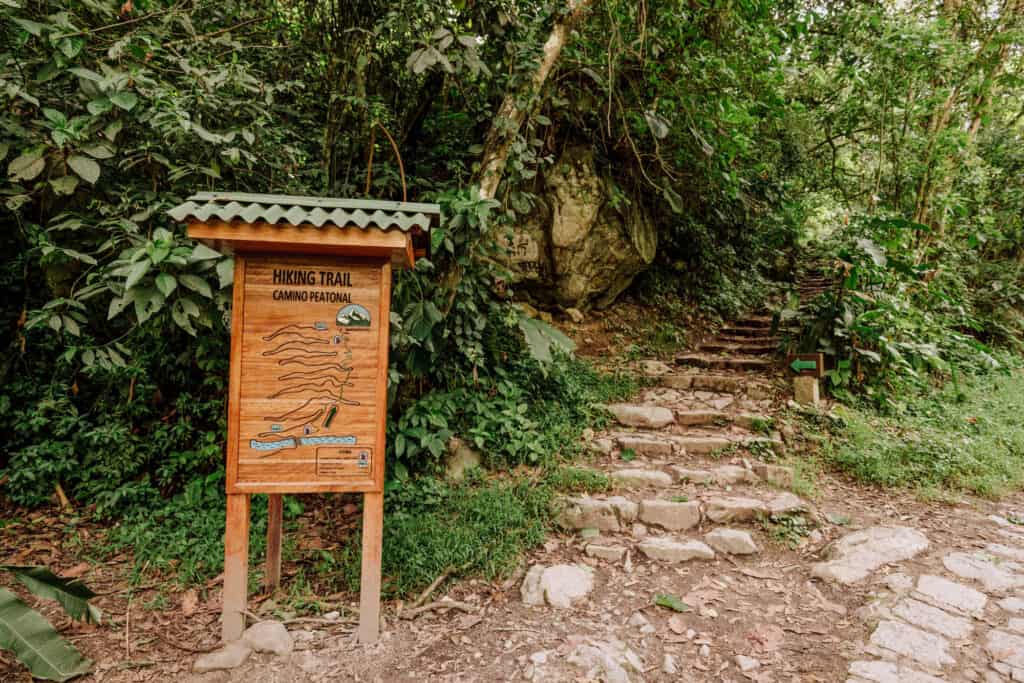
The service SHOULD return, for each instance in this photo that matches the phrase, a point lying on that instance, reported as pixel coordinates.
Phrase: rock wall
(585, 241)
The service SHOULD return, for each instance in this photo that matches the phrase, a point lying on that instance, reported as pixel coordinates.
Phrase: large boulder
(585, 240)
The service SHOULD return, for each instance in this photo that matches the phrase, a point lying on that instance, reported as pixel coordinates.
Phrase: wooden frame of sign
(308, 385)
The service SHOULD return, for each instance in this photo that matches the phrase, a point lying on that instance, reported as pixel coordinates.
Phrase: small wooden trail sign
(807, 364)
(309, 359)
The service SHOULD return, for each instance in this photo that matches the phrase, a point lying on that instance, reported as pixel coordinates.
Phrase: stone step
(744, 331)
(664, 445)
(734, 339)
(704, 445)
(723, 384)
(716, 346)
(725, 362)
(751, 421)
(639, 415)
(617, 513)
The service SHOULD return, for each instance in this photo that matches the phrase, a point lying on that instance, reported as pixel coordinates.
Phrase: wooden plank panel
(312, 400)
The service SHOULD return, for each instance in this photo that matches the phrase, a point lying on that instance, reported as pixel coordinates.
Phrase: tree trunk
(511, 114)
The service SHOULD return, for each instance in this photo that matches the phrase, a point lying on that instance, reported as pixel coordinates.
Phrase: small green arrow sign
(800, 364)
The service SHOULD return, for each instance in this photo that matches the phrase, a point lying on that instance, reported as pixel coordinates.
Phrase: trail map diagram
(315, 369)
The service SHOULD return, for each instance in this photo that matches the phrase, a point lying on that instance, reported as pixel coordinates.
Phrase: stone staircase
(693, 457)
(747, 346)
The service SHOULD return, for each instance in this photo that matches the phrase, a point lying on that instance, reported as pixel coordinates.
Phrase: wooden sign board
(807, 364)
(309, 361)
(312, 391)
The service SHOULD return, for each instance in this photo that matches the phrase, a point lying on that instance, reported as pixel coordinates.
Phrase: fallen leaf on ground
(671, 602)
(189, 602)
(77, 571)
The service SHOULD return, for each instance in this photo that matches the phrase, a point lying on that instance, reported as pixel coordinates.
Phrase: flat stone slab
(269, 636)
(786, 504)
(731, 541)
(700, 417)
(230, 656)
(608, 553)
(701, 445)
(633, 415)
(731, 509)
(911, 642)
(646, 445)
(1010, 553)
(776, 475)
(654, 368)
(1014, 605)
(992, 575)
(950, 595)
(694, 476)
(605, 514)
(639, 478)
(1006, 648)
(667, 549)
(888, 672)
(933, 619)
(670, 515)
(733, 474)
(862, 552)
(559, 586)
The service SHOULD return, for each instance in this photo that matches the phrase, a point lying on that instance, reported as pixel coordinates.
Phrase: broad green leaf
(196, 284)
(32, 27)
(99, 151)
(226, 272)
(35, 643)
(541, 338)
(26, 167)
(117, 305)
(166, 283)
(112, 129)
(87, 74)
(99, 106)
(181, 318)
(55, 117)
(124, 100)
(72, 594)
(137, 272)
(86, 168)
(3, 150)
(71, 46)
(671, 602)
(64, 185)
(203, 253)
(70, 325)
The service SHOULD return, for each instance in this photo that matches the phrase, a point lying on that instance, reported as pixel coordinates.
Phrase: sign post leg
(236, 567)
(272, 576)
(369, 583)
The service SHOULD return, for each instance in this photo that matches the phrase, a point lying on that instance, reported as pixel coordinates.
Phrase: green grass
(477, 528)
(964, 438)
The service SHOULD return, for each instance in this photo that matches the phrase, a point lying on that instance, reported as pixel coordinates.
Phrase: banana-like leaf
(35, 643)
(72, 594)
(541, 338)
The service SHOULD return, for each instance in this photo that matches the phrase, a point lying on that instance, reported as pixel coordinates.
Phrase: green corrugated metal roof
(318, 211)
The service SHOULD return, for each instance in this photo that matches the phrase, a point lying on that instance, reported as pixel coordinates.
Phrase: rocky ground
(718, 556)
(705, 565)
